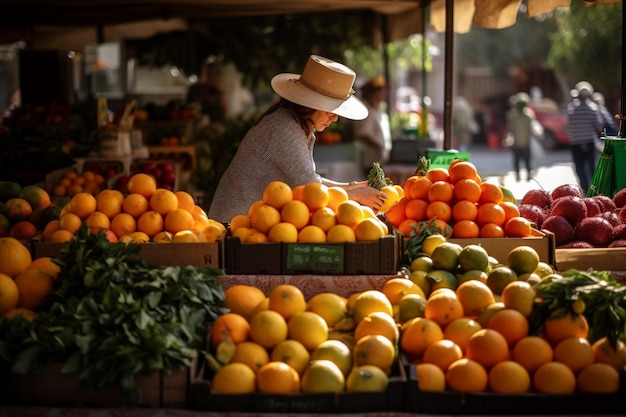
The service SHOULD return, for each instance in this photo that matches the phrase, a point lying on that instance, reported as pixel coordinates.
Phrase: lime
(411, 306)
(421, 279)
(422, 263)
(476, 274)
(446, 256)
(523, 259)
(473, 257)
(440, 278)
(499, 278)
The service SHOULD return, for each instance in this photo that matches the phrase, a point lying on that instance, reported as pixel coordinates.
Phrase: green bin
(442, 159)
(610, 174)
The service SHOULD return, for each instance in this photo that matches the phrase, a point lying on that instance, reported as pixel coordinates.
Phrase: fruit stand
(429, 319)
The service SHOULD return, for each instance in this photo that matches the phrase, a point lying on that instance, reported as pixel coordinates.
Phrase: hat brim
(290, 88)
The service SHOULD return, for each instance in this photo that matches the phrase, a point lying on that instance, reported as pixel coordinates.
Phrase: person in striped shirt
(584, 124)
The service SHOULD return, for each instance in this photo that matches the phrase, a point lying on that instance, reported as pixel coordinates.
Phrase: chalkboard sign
(327, 258)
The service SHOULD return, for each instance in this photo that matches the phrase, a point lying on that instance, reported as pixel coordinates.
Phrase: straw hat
(324, 85)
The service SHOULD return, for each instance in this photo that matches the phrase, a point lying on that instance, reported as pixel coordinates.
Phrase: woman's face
(322, 119)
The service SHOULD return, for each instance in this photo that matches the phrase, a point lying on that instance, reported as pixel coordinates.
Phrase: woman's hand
(367, 196)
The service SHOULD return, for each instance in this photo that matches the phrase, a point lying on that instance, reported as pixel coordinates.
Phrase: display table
(344, 285)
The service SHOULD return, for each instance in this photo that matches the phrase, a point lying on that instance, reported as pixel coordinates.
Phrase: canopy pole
(622, 115)
(449, 76)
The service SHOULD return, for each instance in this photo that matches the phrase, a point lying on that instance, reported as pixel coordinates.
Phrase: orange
(315, 195)
(418, 188)
(297, 192)
(123, 224)
(254, 206)
(441, 191)
(109, 202)
(462, 170)
(407, 226)
(520, 296)
(509, 377)
(349, 213)
(340, 233)
(287, 300)
(283, 232)
(531, 352)
(308, 328)
(369, 301)
(324, 218)
(575, 352)
(518, 226)
(15, 256)
(312, 234)
(417, 334)
(439, 210)
(34, 287)
(264, 217)
(162, 237)
(466, 375)
(554, 378)
(392, 197)
(490, 193)
(230, 326)
(464, 210)
(242, 299)
(443, 307)
(277, 378)
(163, 201)
(277, 193)
(293, 353)
(374, 350)
(239, 220)
(135, 204)
(234, 378)
(139, 237)
(396, 288)
(178, 220)
(49, 229)
(296, 213)
(143, 184)
(397, 213)
(251, 354)
(9, 294)
(185, 200)
(26, 313)
(336, 196)
(379, 323)
(474, 296)
(150, 223)
(330, 306)
(335, 351)
(442, 353)
(598, 378)
(560, 326)
(46, 265)
(487, 347)
(268, 328)
(83, 204)
(370, 230)
(460, 330)
(491, 230)
(465, 229)
(416, 210)
(467, 189)
(438, 174)
(510, 323)
(490, 213)
(510, 210)
(98, 220)
(61, 236)
(322, 376)
(605, 352)
(430, 377)
(70, 222)
(16, 209)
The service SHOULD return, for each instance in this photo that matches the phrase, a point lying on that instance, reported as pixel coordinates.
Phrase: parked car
(554, 122)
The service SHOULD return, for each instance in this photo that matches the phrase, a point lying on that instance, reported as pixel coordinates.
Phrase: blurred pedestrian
(584, 124)
(208, 92)
(609, 124)
(463, 124)
(522, 126)
(373, 133)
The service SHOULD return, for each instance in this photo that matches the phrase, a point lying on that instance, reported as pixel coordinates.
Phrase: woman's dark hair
(302, 113)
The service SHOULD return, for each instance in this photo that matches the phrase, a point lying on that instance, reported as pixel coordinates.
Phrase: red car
(554, 122)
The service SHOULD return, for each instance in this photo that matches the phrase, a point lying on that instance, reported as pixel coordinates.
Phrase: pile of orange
(72, 183)
(310, 213)
(460, 202)
(463, 340)
(146, 214)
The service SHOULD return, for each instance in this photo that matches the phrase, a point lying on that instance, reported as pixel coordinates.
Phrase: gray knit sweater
(275, 149)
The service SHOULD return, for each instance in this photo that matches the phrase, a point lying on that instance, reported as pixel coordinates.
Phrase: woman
(279, 147)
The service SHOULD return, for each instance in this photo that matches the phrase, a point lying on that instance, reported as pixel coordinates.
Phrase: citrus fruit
(322, 375)
(335, 351)
(330, 306)
(430, 377)
(242, 299)
(277, 378)
(268, 328)
(287, 300)
(509, 377)
(531, 352)
(15, 256)
(367, 378)
(307, 328)
(251, 354)
(277, 194)
(234, 378)
(374, 350)
(554, 378)
(369, 301)
(293, 353)
(466, 375)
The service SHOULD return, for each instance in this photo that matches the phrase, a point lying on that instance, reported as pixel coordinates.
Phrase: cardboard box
(53, 388)
(490, 403)
(354, 258)
(202, 398)
(499, 248)
(601, 259)
(176, 254)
